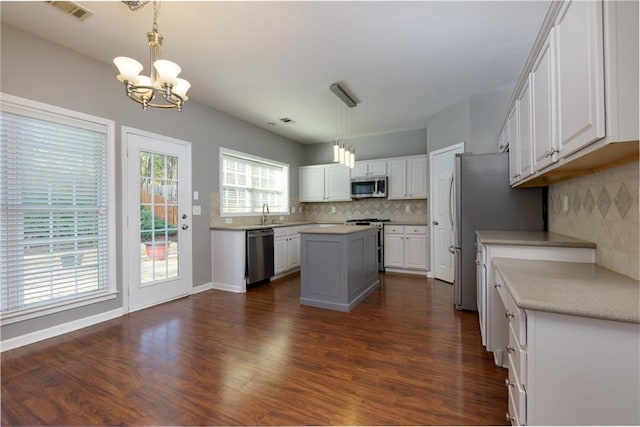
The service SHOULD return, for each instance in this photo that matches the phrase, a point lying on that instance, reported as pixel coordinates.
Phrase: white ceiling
(261, 61)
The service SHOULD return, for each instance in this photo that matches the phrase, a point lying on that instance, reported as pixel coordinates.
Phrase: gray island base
(338, 266)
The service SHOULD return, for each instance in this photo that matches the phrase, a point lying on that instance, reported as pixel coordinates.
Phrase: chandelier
(343, 153)
(162, 88)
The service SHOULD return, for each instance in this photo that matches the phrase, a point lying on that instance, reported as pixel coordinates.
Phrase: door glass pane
(158, 217)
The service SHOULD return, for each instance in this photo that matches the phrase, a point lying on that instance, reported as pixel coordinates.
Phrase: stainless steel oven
(379, 223)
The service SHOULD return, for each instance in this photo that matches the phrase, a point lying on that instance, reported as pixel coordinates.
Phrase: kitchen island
(338, 266)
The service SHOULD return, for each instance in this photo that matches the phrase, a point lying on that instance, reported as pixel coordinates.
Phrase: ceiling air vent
(71, 8)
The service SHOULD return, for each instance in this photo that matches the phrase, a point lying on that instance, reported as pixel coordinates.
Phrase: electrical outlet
(196, 195)
(281, 218)
(565, 203)
(300, 209)
(228, 220)
(196, 210)
(293, 209)
(407, 208)
(333, 209)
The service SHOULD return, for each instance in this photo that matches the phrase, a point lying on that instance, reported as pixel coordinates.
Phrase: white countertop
(337, 229)
(245, 227)
(579, 289)
(531, 238)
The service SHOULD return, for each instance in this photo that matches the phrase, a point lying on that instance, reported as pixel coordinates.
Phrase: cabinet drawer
(517, 400)
(517, 320)
(280, 231)
(415, 229)
(517, 358)
(393, 229)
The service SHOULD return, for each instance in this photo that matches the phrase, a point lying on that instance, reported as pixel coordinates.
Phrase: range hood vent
(71, 8)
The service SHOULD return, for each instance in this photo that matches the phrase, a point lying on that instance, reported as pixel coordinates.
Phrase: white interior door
(158, 225)
(441, 178)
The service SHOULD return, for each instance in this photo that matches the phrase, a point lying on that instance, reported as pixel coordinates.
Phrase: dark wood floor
(403, 356)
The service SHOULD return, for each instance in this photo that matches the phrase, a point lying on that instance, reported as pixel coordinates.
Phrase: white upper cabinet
(580, 74)
(369, 168)
(545, 141)
(407, 177)
(524, 131)
(583, 64)
(324, 183)
(513, 136)
(337, 182)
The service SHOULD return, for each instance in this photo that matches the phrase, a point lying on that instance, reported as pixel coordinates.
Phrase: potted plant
(154, 230)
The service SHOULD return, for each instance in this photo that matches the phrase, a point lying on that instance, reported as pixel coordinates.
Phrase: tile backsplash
(396, 210)
(602, 208)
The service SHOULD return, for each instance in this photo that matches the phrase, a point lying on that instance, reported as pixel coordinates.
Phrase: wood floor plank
(404, 356)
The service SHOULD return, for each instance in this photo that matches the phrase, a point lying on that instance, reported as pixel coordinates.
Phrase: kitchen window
(57, 212)
(248, 182)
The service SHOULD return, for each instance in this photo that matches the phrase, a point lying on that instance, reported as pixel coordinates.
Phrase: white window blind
(54, 216)
(248, 182)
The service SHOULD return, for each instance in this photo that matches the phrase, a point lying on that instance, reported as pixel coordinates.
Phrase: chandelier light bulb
(128, 68)
(352, 159)
(167, 72)
(336, 151)
(181, 87)
(341, 154)
(144, 92)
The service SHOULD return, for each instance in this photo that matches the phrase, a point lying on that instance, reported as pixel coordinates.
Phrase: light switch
(407, 208)
(196, 210)
(196, 196)
(333, 209)
(228, 220)
(565, 203)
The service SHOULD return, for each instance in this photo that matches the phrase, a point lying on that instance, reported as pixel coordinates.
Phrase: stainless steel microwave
(368, 186)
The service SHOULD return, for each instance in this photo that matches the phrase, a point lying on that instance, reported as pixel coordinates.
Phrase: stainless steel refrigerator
(484, 200)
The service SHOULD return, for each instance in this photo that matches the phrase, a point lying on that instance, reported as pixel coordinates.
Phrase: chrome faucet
(264, 216)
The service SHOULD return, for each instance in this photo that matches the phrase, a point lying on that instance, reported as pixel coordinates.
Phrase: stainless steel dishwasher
(259, 255)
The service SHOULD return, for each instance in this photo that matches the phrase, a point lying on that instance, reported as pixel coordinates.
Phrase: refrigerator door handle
(451, 202)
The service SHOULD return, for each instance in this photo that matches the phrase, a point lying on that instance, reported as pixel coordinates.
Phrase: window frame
(33, 109)
(252, 158)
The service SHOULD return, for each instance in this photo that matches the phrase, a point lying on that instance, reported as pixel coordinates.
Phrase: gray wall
(405, 143)
(36, 69)
(475, 120)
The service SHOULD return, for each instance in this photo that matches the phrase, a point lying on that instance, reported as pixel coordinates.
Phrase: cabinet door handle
(510, 349)
(510, 418)
(509, 315)
(497, 285)
(508, 383)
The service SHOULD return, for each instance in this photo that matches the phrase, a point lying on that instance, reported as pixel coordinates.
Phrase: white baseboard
(201, 288)
(228, 288)
(405, 271)
(63, 328)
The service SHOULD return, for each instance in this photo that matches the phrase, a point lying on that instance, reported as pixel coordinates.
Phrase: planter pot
(70, 260)
(157, 251)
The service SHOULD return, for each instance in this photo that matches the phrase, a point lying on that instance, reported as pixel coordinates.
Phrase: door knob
(435, 222)
(184, 216)
(185, 226)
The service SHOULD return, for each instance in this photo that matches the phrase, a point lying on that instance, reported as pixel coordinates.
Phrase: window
(248, 182)
(56, 208)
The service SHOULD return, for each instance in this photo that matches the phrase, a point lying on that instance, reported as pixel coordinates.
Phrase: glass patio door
(159, 218)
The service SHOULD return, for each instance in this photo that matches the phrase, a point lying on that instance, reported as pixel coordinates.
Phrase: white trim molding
(61, 329)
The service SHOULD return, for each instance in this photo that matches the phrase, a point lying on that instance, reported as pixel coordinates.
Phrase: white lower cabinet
(286, 249)
(405, 247)
(569, 370)
(493, 324)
